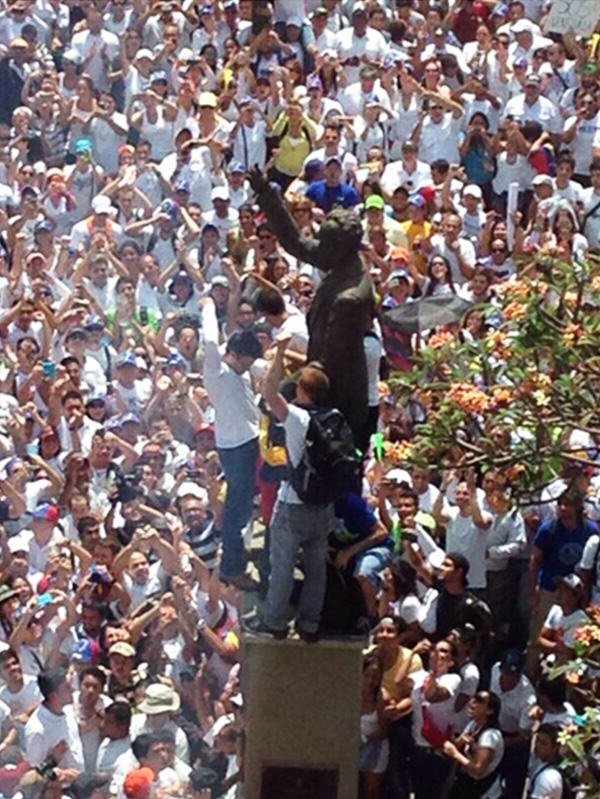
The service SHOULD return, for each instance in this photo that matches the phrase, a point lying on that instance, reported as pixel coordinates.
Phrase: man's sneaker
(257, 626)
(308, 638)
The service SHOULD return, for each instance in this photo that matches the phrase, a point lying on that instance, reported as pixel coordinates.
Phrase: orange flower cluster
(587, 635)
(469, 398)
(516, 289)
(501, 396)
(593, 611)
(398, 451)
(438, 340)
(515, 310)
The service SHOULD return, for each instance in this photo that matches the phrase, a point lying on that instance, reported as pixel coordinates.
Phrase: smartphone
(49, 370)
(44, 599)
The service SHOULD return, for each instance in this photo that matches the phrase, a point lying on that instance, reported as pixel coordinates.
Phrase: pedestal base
(302, 709)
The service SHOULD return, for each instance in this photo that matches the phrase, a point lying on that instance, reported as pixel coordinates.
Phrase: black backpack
(329, 467)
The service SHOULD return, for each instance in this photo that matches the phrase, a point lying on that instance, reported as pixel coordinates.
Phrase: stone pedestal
(302, 709)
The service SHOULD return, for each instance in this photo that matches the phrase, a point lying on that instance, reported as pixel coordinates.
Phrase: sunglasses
(498, 249)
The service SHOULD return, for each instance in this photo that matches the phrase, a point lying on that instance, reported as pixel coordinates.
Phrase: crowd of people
(156, 404)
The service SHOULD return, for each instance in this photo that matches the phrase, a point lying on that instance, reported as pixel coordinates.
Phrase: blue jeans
(294, 527)
(239, 467)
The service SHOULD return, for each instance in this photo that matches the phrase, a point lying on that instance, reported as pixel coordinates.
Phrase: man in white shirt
(409, 171)
(467, 528)
(115, 732)
(354, 96)
(19, 692)
(517, 697)
(50, 730)
(97, 47)
(532, 107)
(228, 384)
(437, 132)
(359, 43)
(459, 251)
(295, 524)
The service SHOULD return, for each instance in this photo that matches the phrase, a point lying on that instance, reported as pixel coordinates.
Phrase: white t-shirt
(45, 729)
(156, 583)
(295, 426)
(556, 620)
(24, 699)
(469, 683)
(591, 556)
(441, 713)
(515, 704)
(462, 535)
(490, 739)
(546, 782)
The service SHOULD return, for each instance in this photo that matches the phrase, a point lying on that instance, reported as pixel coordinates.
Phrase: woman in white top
(478, 751)
(156, 124)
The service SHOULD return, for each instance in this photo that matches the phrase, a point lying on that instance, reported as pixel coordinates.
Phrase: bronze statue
(341, 312)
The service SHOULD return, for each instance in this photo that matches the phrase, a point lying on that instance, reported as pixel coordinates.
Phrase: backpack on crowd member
(329, 467)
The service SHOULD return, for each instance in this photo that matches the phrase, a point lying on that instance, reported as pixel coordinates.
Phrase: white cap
(101, 204)
(521, 26)
(294, 20)
(17, 544)
(473, 190)
(189, 489)
(220, 193)
(542, 180)
(223, 721)
(144, 53)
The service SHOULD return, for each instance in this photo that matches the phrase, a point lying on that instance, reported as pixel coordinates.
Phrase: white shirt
(546, 781)
(515, 704)
(591, 199)
(231, 394)
(296, 426)
(565, 626)
(440, 139)
(250, 144)
(108, 752)
(542, 111)
(85, 42)
(467, 252)
(348, 44)
(24, 699)
(442, 713)
(45, 729)
(506, 539)
(395, 174)
(590, 556)
(155, 584)
(489, 739)
(463, 535)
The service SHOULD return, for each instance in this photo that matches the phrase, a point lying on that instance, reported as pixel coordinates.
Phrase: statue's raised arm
(305, 248)
(341, 312)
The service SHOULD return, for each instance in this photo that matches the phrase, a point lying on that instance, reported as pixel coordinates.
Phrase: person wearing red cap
(138, 783)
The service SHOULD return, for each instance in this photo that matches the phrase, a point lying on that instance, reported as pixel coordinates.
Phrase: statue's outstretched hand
(257, 179)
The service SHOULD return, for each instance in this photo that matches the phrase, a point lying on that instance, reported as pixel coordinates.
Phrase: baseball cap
(500, 10)
(126, 358)
(83, 146)
(182, 185)
(190, 489)
(101, 204)
(472, 190)
(572, 581)
(320, 11)
(236, 166)
(512, 662)
(144, 52)
(521, 26)
(533, 79)
(542, 180)
(375, 201)
(219, 280)
(137, 783)
(368, 72)
(75, 332)
(203, 427)
(122, 648)
(72, 56)
(294, 21)
(398, 275)
(314, 82)
(129, 418)
(359, 8)
(207, 100)
(589, 68)
(93, 322)
(46, 512)
(159, 74)
(220, 193)
(175, 359)
(416, 200)
(333, 159)
(520, 63)
(44, 226)
(19, 42)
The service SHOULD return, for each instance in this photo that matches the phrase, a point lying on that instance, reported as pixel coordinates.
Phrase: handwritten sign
(579, 16)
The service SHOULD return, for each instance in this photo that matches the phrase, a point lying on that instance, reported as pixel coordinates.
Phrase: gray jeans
(295, 527)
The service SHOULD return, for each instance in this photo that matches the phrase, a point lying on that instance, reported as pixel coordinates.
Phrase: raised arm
(271, 202)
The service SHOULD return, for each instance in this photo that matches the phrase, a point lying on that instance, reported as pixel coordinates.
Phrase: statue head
(339, 237)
